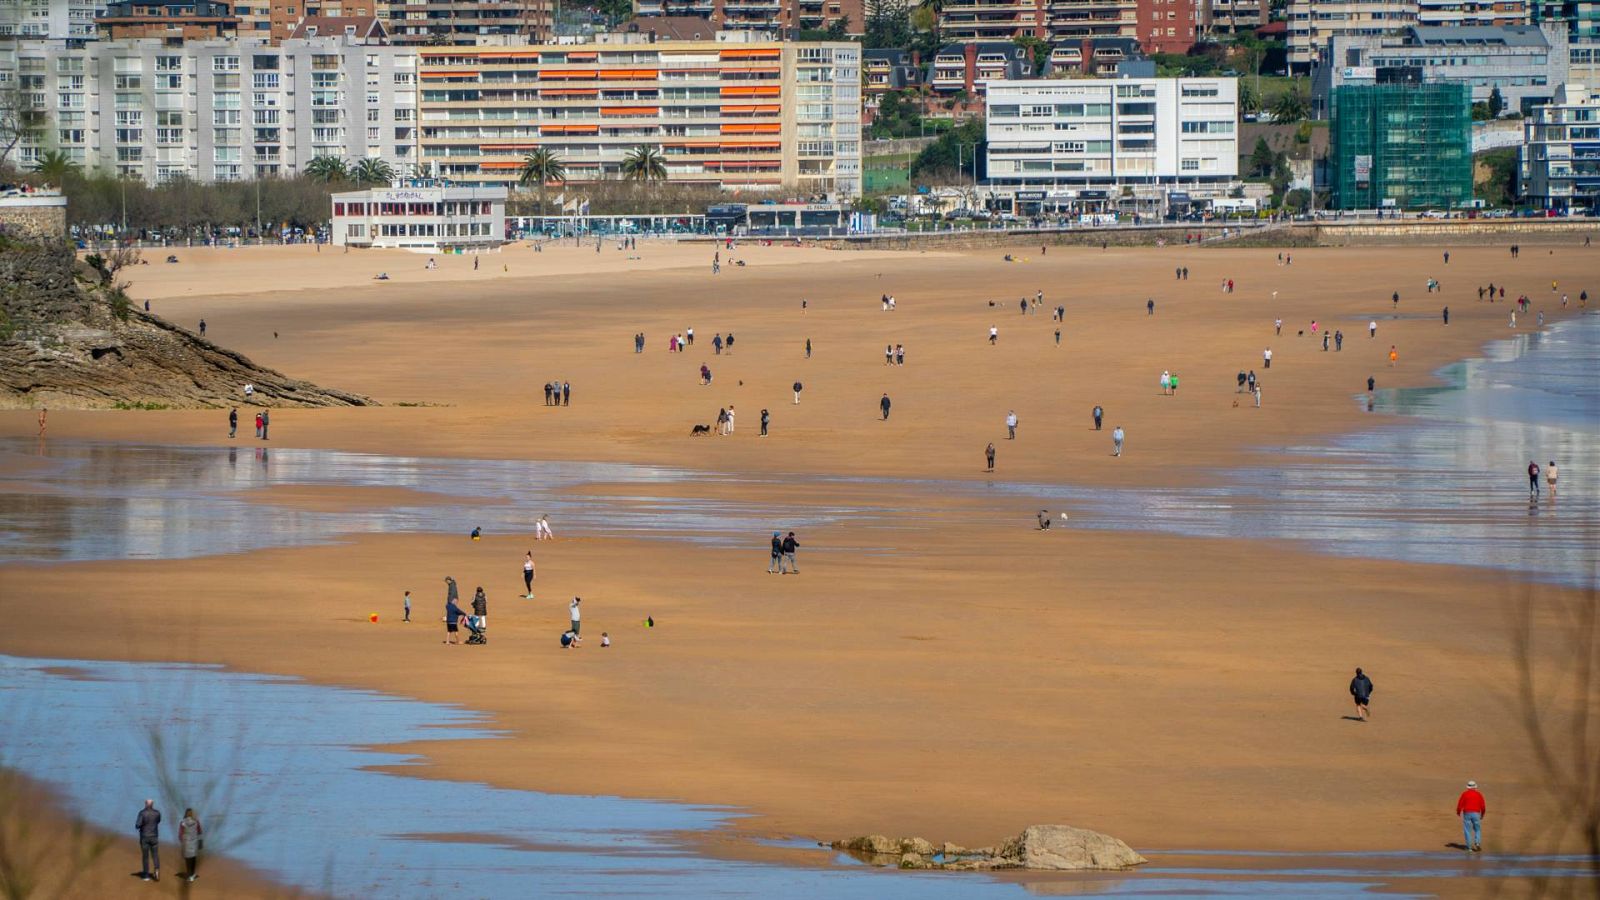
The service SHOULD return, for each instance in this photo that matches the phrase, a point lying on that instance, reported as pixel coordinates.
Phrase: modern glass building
(1401, 143)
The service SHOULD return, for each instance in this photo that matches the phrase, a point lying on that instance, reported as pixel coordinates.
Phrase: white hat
(1472, 784)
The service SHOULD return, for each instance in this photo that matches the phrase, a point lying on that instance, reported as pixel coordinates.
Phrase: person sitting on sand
(570, 640)
(381, 276)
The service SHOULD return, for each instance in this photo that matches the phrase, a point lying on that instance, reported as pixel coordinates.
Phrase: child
(570, 640)
(605, 639)
(408, 606)
(477, 533)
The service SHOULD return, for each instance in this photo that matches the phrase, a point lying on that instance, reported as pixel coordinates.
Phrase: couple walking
(783, 548)
(191, 841)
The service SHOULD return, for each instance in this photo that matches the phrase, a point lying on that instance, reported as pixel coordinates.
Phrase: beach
(941, 667)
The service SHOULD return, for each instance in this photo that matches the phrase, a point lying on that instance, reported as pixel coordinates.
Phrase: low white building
(431, 218)
(1560, 160)
(1105, 138)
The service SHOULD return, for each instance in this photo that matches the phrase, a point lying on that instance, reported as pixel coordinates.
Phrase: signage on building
(1360, 73)
(1363, 170)
(1030, 195)
(1091, 195)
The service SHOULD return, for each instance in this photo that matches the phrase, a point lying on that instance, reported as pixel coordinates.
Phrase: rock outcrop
(69, 337)
(1044, 847)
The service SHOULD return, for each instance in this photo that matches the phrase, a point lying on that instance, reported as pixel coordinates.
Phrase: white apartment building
(219, 110)
(1560, 158)
(40, 19)
(1165, 133)
(1313, 22)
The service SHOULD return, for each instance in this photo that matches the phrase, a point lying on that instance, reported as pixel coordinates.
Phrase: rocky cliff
(70, 337)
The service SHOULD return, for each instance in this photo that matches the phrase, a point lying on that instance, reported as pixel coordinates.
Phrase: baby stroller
(475, 625)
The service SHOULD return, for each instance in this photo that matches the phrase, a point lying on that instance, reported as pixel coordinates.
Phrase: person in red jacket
(1472, 808)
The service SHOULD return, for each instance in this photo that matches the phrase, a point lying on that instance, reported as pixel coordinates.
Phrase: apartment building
(779, 18)
(1401, 141)
(738, 112)
(993, 20)
(889, 69)
(422, 217)
(1234, 16)
(1104, 134)
(1560, 156)
(1312, 23)
(1472, 12)
(467, 23)
(219, 110)
(41, 19)
(179, 20)
(1581, 18)
(1525, 63)
(970, 67)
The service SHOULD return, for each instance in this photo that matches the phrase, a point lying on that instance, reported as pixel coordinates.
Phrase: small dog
(699, 430)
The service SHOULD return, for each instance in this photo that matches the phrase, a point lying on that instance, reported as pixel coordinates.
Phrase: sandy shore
(1180, 693)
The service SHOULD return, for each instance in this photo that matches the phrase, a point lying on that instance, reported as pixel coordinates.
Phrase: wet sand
(1174, 692)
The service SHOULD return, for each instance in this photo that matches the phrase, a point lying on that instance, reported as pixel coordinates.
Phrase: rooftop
(1476, 35)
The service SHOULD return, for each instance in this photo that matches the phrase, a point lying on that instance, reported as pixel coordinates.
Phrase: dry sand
(1175, 692)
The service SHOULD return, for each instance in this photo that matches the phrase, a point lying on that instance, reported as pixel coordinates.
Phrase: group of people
(783, 550)
(191, 840)
(894, 354)
(558, 393)
(263, 423)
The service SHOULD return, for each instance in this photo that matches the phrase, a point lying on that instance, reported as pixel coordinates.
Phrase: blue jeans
(1472, 829)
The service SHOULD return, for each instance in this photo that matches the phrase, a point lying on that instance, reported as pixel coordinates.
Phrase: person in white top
(541, 530)
(249, 390)
(574, 613)
(994, 334)
(1372, 328)
(528, 576)
(1166, 382)
(1011, 425)
(1266, 358)
(730, 418)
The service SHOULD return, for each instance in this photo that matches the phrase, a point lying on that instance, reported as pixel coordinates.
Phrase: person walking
(1446, 314)
(1550, 478)
(883, 406)
(1338, 340)
(1266, 358)
(452, 612)
(766, 418)
(266, 422)
(528, 574)
(1533, 479)
(1255, 390)
(797, 387)
(1099, 415)
(566, 393)
(789, 546)
(480, 607)
(148, 826)
(1394, 356)
(1150, 307)
(988, 454)
(1372, 328)
(808, 348)
(541, 530)
(776, 565)
(1116, 441)
(406, 607)
(1277, 327)
(191, 840)
(730, 418)
(994, 335)
(1011, 425)
(1361, 691)
(233, 422)
(1471, 807)
(574, 613)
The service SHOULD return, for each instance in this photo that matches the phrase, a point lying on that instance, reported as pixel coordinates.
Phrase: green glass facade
(1405, 142)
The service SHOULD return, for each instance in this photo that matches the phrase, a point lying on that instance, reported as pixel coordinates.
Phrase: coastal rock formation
(70, 337)
(1044, 847)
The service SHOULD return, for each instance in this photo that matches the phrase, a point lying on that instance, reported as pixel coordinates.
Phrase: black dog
(699, 430)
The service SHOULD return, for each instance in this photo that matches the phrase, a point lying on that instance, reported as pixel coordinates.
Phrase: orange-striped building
(738, 114)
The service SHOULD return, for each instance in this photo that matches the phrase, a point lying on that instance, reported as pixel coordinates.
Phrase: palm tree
(327, 169)
(372, 171)
(644, 163)
(54, 166)
(542, 166)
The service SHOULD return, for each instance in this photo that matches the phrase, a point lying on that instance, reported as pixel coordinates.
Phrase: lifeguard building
(429, 219)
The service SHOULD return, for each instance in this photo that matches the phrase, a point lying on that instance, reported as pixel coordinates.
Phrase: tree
(1290, 107)
(1038, 53)
(888, 24)
(371, 171)
(953, 153)
(838, 29)
(542, 166)
(1497, 103)
(328, 169)
(54, 166)
(18, 119)
(1261, 159)
(644, 164)
(1249, 97)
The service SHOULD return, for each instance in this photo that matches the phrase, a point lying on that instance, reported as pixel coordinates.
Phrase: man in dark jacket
(883, 405)
(148, 826)
(789, 546)
(480, 607)
(1361, 690)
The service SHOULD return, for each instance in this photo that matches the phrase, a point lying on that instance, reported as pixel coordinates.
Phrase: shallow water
(280, 772)
(1439, 477)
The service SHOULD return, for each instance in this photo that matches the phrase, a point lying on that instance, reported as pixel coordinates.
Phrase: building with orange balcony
(737, 112)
